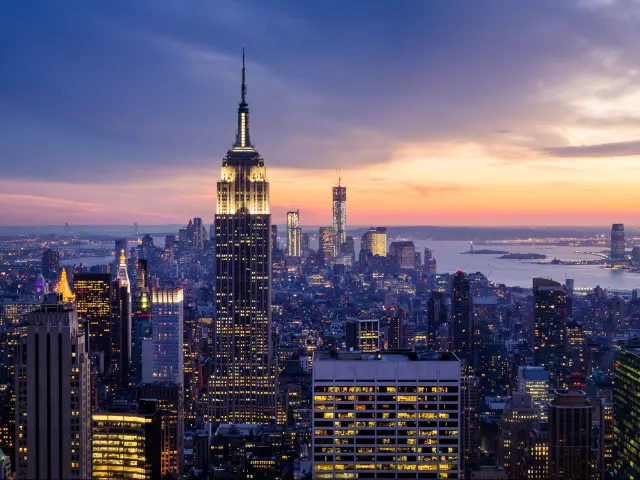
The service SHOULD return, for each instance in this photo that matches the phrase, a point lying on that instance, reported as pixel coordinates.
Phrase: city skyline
(543, 134)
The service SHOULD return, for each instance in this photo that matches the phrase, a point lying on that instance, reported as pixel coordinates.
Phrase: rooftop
(388, 356)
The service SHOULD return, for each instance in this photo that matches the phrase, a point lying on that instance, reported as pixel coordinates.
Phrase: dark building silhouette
(50, 264)
(550, 329)
(571, 456)
(617, 242)
(462, 319)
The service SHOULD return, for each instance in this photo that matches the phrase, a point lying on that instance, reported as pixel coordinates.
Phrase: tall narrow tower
(293, 233)
(242, 388)
(340, 216)
(53, 404)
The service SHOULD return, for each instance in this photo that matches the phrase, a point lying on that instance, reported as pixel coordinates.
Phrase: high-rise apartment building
(243, 386)
(461, 313)
(375, 241)
(126, 442)
(93, 302)
(362, 334)
(53, 430)
(617, 242)
(403, 254)
(293, 234)
(550, 329)
(535, 382)
(386, 416)
(327, 245)
(626, 410)
(571, 455)
(339, 217)
(167, 318)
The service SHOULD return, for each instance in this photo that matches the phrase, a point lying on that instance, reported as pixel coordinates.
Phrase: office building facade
(167, 317)
(93, 302)
(390, 416)
(535, 382)
(126, 443)
(403, 255)
(327, 245)
(375, 241)
(362, 334)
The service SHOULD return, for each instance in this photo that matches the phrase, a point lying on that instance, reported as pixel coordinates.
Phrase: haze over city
(434, 113)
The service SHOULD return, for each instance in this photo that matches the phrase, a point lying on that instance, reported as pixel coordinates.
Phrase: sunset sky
(453, 112)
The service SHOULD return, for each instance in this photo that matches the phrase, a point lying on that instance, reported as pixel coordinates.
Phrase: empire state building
(242, 387)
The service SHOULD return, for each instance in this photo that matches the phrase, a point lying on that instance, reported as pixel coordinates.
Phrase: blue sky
(121, 111)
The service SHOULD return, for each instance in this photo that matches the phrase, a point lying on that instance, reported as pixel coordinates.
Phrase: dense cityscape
(254, 350)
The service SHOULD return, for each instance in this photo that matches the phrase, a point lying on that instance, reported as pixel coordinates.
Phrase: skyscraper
(571, 455)
(535, 382)
(626, 410)
(140, 317)
(327, 244)
(120, 246)
(168, 330)
(93, 300)
(340, 216)
(293, 234)
(519, 416)
(50, 264)
(120, 357)
(242, 388)
(375, 240)
(169, 399)
(462, 318)
(429, 265)
(550, 329)
(403, 254)
(304, 245)
(53, 396)
(617, 242)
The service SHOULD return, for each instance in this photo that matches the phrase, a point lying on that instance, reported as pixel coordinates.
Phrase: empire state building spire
(242, 138)
(243, 387)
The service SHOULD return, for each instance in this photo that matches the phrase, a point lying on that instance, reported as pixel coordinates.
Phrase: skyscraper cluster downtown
(222, 355)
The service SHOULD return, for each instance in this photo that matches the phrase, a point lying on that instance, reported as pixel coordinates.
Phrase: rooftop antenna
(244, 83)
